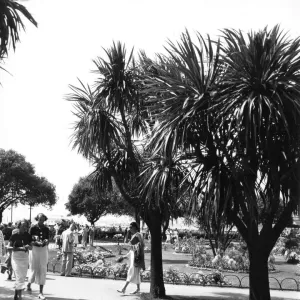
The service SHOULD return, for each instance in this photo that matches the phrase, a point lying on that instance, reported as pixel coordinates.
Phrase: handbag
(137, 255)
(3, 269)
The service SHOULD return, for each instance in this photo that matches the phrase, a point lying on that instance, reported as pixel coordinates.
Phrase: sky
(35, 118)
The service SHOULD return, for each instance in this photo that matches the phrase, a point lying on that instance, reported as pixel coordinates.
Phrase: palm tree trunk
(165, 227)
(157, 287)
(259, 275)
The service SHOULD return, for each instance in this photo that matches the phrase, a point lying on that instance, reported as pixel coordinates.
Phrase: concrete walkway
(75, 288)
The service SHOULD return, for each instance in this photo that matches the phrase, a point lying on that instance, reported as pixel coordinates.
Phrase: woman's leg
(41, 295)
(137, 289)
(124, 288)
(16, 295)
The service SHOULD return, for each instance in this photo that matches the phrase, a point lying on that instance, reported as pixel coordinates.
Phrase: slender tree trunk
(259, 274)
(137, 216)
(165, 227)
(157, 287)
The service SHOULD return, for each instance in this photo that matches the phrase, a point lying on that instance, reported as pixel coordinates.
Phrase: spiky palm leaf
(96, 129)
(261, 88)
(115, 83)
(11, 23)
(181, 90)
(107, 119)
(259, 97)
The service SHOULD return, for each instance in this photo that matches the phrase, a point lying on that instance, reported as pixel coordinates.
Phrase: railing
(286, 284)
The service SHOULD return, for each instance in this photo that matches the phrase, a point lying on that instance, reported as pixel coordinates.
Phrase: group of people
(172, 235)
(28, 248)
(83, 234)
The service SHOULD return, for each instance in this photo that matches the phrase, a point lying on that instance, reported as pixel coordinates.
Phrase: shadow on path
(55, 298)
(218, 296)
(8, 294)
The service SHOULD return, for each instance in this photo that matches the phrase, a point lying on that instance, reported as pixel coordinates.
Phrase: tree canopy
(219, 119)
(231, 108)
(85, 200)
(20, 184)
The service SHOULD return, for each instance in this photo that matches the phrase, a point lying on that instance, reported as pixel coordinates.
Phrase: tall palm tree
(232, 109)
(260, 98)
(110, 119)
(11, 23)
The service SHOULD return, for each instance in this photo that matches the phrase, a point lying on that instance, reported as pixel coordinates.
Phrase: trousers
(67, 263)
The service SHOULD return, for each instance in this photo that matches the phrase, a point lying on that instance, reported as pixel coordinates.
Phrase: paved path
(75, 288)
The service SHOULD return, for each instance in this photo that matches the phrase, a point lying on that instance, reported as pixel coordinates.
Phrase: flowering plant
(291, 256)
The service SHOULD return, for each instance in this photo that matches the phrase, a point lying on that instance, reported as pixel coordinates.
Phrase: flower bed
(233, 261)
(86, 256)
(189, 246)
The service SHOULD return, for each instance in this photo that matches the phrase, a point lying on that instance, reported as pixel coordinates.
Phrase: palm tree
(110, 121)
(259, 96)
(10, 24)
(232, 109)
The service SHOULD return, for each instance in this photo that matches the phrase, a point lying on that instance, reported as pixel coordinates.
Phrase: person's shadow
(8, 293)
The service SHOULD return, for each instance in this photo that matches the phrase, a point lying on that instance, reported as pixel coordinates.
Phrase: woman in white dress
(38, 257)
(136, 259)
(19, 244)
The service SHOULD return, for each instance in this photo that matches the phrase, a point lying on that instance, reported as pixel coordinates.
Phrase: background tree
(20, 184)
(215, 226)
(232, 108)
(84, 200)
(10, 24)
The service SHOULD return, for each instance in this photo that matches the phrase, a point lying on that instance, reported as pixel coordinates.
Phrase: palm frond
(95, 129)
(11, 23)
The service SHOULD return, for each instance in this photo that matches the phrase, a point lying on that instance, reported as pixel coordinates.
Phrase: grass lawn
(285, 273)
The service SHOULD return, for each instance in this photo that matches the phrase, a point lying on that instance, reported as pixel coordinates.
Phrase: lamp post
(30, 207)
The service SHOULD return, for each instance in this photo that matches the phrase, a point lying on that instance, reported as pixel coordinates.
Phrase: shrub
(291, 256)
(291, 243)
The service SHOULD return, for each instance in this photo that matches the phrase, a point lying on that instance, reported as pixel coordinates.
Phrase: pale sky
(36, 121)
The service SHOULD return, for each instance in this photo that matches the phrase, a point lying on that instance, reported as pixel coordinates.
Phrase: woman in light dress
(2, 246)
(38, 257)
(19, 244)
(136, 259)
(168, 234)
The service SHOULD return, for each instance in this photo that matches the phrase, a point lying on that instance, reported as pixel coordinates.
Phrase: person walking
(85, 233)
(136, 258)
(38, 256)
(20, 244)
(76, 237)
(67, 238)
(92, 235)
(176, 235)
